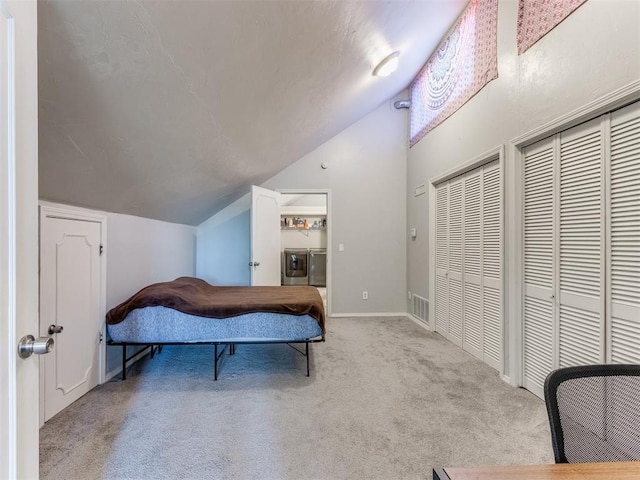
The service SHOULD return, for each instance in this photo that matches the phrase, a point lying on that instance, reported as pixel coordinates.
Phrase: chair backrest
(594, 413)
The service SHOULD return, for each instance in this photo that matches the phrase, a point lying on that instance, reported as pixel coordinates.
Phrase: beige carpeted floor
(386, 400)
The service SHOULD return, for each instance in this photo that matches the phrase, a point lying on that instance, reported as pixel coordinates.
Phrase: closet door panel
(624, 272)
(456, 291)
(442, 258)
(491, 264)
(472, 231)
(581, 226)
(538, 263)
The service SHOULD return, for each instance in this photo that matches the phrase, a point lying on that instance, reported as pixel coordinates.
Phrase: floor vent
(420, 308)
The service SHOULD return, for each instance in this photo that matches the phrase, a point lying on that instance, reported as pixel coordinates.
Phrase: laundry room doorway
(306, 240)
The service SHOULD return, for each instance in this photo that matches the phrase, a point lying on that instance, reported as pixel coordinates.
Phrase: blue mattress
(166, 325)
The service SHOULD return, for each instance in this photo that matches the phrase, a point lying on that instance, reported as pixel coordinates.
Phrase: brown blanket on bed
(196, 297)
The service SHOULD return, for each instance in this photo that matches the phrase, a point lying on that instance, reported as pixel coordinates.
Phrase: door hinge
(101, 249)
(101, 337)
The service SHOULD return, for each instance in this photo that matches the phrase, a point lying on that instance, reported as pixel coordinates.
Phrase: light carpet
(386, 400)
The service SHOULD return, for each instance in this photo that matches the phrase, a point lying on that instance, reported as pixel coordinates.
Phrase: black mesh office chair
(594, 412)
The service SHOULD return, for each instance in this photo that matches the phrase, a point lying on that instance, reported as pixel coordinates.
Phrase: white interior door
(624, 233)
(580, 234)
(70, 288)
(492, 264)
(18, 244)
(456, 261)
(442, 259)
(468, 261)
(472, 338)
(265, 237)
(582, 244)
(539, 264)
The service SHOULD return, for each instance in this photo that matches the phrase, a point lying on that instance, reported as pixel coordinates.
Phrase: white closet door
(538, 263)
(624, 274)
(581, 227)
(472, 263)
(442, 258)
(456, 246)
(492, 264)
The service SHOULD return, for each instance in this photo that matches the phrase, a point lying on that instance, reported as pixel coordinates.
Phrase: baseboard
(372, 314)
(131, 361)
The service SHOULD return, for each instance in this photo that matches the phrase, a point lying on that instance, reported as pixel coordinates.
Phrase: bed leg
(124, 362)
(215, 361)
(307, 355)
(232, 349)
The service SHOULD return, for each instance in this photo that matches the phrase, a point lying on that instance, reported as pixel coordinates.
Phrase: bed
(190, 311)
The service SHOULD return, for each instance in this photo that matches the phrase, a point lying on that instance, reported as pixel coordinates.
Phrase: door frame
(327, 192)
(8, 333)
(515, 207)
(49, 210)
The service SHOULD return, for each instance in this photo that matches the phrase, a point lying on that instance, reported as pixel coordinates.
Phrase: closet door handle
(55, 329)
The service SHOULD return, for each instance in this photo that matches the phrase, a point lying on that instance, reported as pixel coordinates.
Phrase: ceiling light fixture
(387, 66)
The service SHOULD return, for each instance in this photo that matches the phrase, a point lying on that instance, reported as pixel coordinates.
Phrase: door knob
(55, 329)
(28, 345)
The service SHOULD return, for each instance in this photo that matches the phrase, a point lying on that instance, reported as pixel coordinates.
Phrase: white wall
(591, 53)
(141, 251)
(224, 245)
(303, 239)
(367, 177)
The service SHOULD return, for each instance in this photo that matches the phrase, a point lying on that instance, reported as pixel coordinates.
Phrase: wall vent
(420, 308)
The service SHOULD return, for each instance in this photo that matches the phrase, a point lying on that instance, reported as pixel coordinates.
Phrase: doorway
(305, 226)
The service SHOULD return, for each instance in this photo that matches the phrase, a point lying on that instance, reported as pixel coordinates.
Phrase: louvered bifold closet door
(472, 234)
(538, 263)
(442, 258)
(456, 246)
(581, 228)
(624, 274)
(492, 264)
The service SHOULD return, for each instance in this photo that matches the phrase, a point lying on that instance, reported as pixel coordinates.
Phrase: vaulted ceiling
(170, 109)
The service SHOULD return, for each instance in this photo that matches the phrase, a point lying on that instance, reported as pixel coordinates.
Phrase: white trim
(138, 356)
(8, 331)
(327, 192)
(618, 98)
(477, 161)
(514, 275)
(432, 255)
(50, 210)
(612, 101)
(372, 314)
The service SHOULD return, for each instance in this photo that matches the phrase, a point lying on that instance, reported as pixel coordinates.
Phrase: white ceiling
(169, 109)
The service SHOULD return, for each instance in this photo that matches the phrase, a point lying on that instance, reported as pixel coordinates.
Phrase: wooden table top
(562, 471)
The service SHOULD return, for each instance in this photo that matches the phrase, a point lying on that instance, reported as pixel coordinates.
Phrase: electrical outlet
(409, 295)
(365, 295)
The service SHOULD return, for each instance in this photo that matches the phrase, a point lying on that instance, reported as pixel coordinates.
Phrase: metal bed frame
(157, 347)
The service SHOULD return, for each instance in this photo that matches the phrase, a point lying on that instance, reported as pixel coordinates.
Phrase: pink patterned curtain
(464, 62)
(538, 17)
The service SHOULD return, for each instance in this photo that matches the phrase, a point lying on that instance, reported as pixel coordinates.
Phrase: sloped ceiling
(170, 109)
